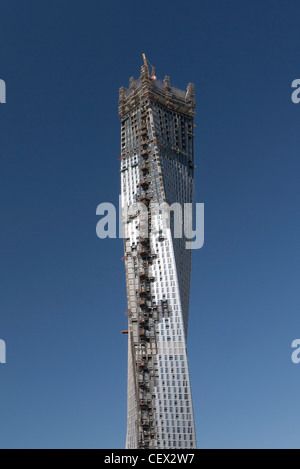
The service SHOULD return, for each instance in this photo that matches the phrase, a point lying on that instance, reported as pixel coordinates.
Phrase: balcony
(143, 276)
(143, 293)
(144, 184)
(145, 200)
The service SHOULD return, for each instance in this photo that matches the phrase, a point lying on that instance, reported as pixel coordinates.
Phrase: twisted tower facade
(157, 168)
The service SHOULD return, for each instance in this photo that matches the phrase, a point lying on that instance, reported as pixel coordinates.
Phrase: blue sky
(63, 292)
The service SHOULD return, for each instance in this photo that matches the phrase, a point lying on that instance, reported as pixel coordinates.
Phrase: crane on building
(146, 62)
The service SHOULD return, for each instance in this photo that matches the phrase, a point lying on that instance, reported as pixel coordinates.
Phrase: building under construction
(157, 167)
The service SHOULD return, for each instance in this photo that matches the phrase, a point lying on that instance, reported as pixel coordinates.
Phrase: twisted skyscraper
(157, 170)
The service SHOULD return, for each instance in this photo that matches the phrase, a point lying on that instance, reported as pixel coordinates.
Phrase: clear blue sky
(63, 289)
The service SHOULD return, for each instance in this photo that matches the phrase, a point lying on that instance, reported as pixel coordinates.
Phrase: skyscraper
(157, 170)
